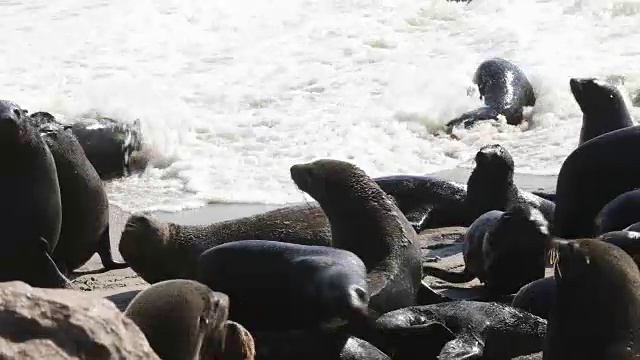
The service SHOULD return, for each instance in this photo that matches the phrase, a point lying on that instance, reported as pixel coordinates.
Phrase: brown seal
(596, 313)
(239, 344)
(181, 319)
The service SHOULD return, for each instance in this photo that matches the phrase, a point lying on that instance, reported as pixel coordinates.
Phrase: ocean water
(232, 93)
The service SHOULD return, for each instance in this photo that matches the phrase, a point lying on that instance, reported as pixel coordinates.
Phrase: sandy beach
(126, 281)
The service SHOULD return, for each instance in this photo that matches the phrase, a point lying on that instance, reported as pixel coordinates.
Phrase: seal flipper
(464, 347)
(427, 296)
(449, 276)
(469, 118)
(104, 251)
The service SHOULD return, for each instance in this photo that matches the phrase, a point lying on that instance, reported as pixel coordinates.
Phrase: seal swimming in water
(427, 202)
(596, 312)
(85, 207)
(505, 90)
(619, 213)
(181, 319)
(365, 221)
(602, 105)
(308, 286)
(31, 213)
(491, 187)
(461, 330)
(504, 250)
(592, 175)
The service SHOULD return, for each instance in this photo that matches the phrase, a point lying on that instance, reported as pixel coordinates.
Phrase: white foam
(232, 93)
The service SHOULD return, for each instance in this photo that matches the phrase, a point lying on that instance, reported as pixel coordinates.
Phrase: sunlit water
(232, 93)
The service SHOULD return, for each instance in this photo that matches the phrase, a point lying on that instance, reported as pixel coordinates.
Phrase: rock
(40, 323)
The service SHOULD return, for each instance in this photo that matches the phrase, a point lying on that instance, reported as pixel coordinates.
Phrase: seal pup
(426, 201)
(491, 187)
(603, 107)
(181, 319)
(239, 344)
(365, 221)
(307, 286)
(160, 251)
(593, 175)
(505, 90)
(504, 250)
(619, 213)
(30, 214)
(85, 207)
(461, 330)
(536, 297)
(596, 312)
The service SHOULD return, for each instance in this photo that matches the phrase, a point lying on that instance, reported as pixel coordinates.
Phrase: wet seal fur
(603, 107)
(596, 313)
(307, 286)
(31, 213)
(591, 176)
(619, 213)
(160, 251)
(365, 221)
(491, 186)
(504, 250)
(461, 330)
(505, 90)
(427, 202)
(181, 319)
(85, 207)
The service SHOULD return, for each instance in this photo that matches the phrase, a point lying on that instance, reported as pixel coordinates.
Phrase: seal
(505, 89)
(181, 319)
(30, 213)
(85, 207)
(633, 227)
(427, 202)
(504, 250)
(308, 286)
(597, 307)
(160, 251)
(603, 107)
(619, 213)
(491, 186)
(591, 176)
(358, 349)
(461, 330)
(239, 344)
(365, 221)
(114, 148)
(536, 297)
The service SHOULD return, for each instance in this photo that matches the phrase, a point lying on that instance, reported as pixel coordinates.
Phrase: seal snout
(301, 176)
(494, 154)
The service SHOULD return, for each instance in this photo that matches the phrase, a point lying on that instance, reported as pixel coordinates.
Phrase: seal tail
(448, 276)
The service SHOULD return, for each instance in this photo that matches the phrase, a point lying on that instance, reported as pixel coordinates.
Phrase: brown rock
(40, 324)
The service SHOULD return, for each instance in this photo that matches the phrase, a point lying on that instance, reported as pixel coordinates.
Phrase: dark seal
(491, 186)
(536, 297)
(619, 213)
(85, 207)
(307, 286)
(602, 105)
(365, 221)
(427, 202)
(461, 330)
(160, 251)
(505, 90)
(597, 307)
(591, 176)
(181, 319)
(30, 214)
(504, 250)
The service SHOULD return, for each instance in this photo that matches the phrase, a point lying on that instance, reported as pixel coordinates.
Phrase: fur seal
(85, 207)
(536, 297)
(308, 286)
(426, 201)
(596, 313)
(491, 187)
(619, 213)
(160, 251)
(181, 319)
(633, 227)
(365, 221)
(505, 90)
(461, 330)
(239, 344)
(504, 250)
(603, 107)
(30, 214)
(591, 176)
